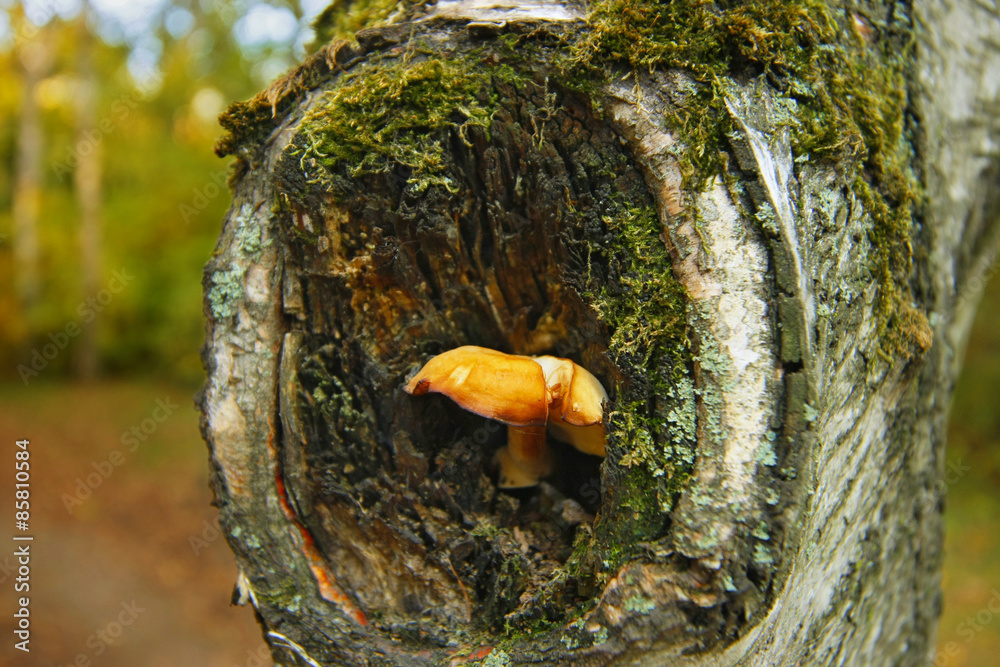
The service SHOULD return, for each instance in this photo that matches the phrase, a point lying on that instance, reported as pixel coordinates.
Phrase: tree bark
(87, 185)
(772, 493)
(36, 60)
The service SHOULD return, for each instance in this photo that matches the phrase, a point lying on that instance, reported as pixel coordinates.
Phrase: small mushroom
(526, 394)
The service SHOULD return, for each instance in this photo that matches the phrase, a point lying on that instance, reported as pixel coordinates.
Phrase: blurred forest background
(111, 200)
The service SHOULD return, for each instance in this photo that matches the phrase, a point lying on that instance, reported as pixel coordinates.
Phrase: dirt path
(128, 567)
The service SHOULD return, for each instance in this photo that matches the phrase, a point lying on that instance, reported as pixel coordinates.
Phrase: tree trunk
(36, 59)
(87, 185)
(767, 271)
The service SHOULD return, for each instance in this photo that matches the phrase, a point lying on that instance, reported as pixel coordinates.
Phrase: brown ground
(129, 541)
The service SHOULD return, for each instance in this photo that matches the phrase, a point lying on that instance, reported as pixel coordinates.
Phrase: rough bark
(772, 493)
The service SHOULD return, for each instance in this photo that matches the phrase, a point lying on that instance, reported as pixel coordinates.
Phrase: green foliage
(163, 197)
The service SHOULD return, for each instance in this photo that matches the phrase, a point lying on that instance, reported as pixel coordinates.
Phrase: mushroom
(576, 404)
(526, 394)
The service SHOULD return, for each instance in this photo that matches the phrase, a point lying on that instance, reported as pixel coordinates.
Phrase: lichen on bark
(538, 188)
(841, 70)
(444, 193)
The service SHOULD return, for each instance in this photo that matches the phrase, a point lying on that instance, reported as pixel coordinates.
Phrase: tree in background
(87, 187)
(107, 142)
(34, 57)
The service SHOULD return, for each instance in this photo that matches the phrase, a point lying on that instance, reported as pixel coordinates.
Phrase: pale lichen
(496, 658)
(228, 285)
(639, 604)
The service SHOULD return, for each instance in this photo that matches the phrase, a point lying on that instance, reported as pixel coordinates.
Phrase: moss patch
(847, 77)
(651, 427)
(396, 116)
(248, 124)
(645, 308)
(709, 41)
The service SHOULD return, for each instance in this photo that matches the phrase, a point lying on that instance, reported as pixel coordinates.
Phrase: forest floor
(128, 566)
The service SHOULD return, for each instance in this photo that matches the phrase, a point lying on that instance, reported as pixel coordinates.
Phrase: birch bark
(807, 529)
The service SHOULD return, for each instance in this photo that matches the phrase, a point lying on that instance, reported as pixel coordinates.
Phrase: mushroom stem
(525, 459)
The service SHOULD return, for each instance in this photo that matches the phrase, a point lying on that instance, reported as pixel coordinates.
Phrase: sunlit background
(110, 203)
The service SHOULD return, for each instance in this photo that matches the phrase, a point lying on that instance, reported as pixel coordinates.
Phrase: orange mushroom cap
(521, 392)
(504, 387)
(576, 405)
(576, 396)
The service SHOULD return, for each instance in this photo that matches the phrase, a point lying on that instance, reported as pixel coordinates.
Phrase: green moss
(710, 41)
(246, 124)
(337, 403)
(342, 18)
(646, 311)
(651, 428)
(396, 114)
(850, 94)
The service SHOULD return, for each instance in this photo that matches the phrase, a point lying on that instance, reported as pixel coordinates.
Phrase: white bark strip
(723, 264)
(753, 109)
(498, 11)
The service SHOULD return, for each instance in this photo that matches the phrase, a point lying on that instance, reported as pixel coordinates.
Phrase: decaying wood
(367, 523)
